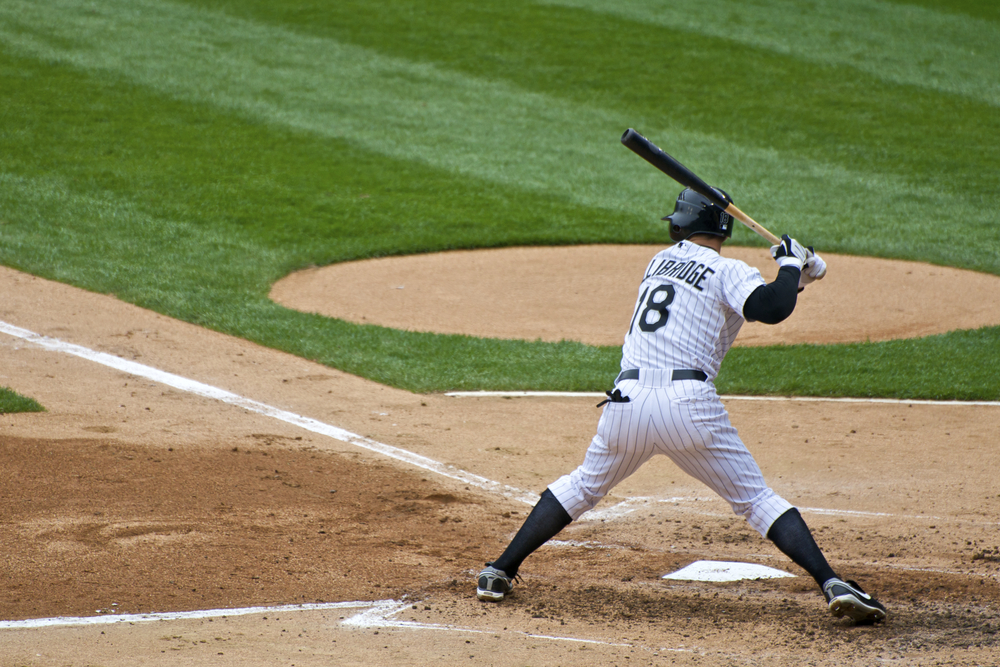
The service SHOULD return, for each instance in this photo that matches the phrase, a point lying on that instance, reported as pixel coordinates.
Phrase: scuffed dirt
(131, 529)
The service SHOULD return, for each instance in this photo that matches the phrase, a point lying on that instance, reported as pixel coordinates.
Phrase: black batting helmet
(695, 214)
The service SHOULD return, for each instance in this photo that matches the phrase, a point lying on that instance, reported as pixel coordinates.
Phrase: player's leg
(620, 446)
(845, 598)
(547, 518)
(794, 539)
(612, 456)
(701, 440)
(697, 436)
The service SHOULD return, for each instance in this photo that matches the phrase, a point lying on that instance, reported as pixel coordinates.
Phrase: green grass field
(11, 401)
(184, 155)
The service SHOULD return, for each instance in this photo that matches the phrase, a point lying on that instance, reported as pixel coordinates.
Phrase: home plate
(713, 570)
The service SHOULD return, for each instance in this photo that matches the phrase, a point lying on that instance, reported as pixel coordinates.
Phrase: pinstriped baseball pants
(686, 421)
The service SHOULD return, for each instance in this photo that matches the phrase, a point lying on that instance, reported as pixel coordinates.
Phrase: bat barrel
(652, 154)
(640, 145)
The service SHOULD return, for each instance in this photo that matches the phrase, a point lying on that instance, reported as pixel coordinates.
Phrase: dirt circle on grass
(587, 293)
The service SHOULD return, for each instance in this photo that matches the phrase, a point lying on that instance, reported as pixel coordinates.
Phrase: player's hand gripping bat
(648, 151)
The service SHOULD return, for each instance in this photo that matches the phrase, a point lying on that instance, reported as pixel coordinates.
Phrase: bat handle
(752, 224)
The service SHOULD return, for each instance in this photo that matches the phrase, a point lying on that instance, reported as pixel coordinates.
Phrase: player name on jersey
(693, 273)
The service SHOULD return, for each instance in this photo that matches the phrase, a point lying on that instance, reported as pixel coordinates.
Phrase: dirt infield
(130, 496)
(587, 293)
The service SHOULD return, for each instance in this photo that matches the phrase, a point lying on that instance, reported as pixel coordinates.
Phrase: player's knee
(572, 495)
(591, 497)
(588, 494)
(762, 510)
(742, 509)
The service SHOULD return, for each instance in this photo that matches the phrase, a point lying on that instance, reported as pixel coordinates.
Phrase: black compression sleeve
(775, 301)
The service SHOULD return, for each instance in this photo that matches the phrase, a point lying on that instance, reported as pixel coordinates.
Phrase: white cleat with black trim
(847, 599)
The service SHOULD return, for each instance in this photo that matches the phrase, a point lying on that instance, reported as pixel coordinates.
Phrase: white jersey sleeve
(737, 283)
(689, 310)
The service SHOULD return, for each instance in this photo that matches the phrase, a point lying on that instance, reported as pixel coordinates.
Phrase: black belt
(680, 374)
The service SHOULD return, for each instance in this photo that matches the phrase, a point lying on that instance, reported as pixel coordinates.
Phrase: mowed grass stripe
(980, 9)
(107, 243)
(897, 43)
(474, 127)
(753, 96)
(394, 106)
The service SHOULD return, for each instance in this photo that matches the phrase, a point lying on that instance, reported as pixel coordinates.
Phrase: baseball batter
(692, 302)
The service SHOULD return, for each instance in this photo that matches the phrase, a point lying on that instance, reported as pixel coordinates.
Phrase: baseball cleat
(493, 584)
(847, 599)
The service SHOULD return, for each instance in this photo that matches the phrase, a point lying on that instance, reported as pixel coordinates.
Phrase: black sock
(791, 535)
(546, 520)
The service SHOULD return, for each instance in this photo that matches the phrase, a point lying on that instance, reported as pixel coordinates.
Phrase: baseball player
(692, 303)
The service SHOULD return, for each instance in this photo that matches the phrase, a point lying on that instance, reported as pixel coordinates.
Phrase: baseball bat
(652, 154)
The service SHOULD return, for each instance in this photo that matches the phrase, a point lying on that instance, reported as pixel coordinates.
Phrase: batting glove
(813, 269)
(790, 253)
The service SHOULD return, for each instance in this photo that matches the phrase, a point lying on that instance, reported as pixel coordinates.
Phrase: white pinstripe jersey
(689, 310)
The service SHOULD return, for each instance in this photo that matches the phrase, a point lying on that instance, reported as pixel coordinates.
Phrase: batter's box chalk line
(381, 613)
(630, 505)
(375, 614)
(734, 397)
(589, 544)
(114, 619)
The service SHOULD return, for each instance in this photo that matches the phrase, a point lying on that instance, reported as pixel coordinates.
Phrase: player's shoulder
(737, 264)
(685, 250)
(690, 265)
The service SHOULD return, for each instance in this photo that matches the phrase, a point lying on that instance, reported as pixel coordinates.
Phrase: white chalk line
(376, 614)
(321, 428)
(802, 399)
(313, 425)
(114, 619)
(634, 503)
(589, 544)
(934, 570)
(525, 394)
(379, 616)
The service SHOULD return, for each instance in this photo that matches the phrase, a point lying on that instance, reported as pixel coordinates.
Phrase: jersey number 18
(658, 302)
